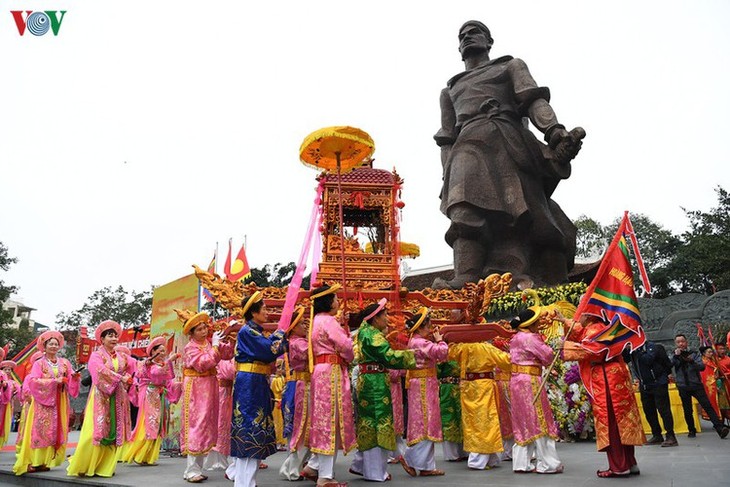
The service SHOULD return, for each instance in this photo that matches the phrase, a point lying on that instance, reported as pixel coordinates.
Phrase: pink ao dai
(153, 380)
(424, 411)
(199, 430)
(331, 398)
(298, 362)
(6, 396)
(226, 375)
(396, 398)
(530, 422)
(48, 429)
(106, 377)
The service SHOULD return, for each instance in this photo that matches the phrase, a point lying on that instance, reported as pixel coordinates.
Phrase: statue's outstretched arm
(535, 104)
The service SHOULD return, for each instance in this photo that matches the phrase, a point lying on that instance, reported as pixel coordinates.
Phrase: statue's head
(474, 38)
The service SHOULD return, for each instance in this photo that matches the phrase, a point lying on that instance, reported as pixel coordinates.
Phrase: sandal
(409, 470)
(607, 474)
(263, 466)
(353, 472)
(431, 473)
(333, 483)
(309, 473)
(196, 480)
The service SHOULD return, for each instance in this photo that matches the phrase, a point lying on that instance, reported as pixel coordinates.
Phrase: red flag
(239, 269)
(22, 359)
(227, 264)
(611, 297)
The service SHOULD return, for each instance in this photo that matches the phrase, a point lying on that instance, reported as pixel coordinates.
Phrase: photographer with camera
(651, 366)
(687, 368)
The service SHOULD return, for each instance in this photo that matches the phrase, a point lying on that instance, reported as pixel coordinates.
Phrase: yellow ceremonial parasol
(339, 149)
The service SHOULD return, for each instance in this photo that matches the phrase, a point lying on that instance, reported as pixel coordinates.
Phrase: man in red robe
(617, 417)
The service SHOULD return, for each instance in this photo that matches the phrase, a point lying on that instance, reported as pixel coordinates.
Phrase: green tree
(658, 247)
(24, 334)
(591, 239)
(215, 312)
(698, 260)
(5, 290)
(278, 275)
(128, 308)
(703, 261)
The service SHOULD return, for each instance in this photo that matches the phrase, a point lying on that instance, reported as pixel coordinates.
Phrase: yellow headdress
(194, 321)
(526, 318)
(254, 298)
(332, 289)
(296, 319)
(422, 314)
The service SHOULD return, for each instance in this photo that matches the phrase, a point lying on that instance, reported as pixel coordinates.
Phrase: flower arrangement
(570, 401)
(512, 303)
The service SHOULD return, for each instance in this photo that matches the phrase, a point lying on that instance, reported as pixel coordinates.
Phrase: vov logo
(38, 23)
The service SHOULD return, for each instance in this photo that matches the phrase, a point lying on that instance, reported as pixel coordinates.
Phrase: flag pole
(639, 261)
(215, 271)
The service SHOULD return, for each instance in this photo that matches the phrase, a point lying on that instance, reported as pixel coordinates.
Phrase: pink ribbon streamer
(292, 292)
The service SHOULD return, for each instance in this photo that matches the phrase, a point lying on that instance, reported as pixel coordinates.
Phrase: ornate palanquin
(370, 205)
(370, 199)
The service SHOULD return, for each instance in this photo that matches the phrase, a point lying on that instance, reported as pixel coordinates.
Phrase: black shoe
(670, 441)
(654, 440)
(723, 432)
(692, 434)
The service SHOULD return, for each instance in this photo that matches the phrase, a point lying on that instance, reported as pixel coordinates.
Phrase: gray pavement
(703, 461)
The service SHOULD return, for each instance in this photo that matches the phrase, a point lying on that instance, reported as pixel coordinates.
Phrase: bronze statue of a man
(498, 178)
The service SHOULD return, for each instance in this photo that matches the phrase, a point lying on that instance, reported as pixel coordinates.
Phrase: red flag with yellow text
(612, 298)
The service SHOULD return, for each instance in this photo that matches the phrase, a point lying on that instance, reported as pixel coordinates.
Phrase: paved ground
(704, 461)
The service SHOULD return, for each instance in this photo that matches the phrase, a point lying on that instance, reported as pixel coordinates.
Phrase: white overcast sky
(145, 132)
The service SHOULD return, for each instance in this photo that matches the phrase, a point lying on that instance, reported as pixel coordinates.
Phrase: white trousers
(194, 466)
(372, 464)
(313, 462)
(215, 461)
(231, 470)
(400, 448)
(421, 455)
(326, 465)
(245, 472)
(453, 451)
(293, 465)
(482, 461)
(545, 454)
(507, 453)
